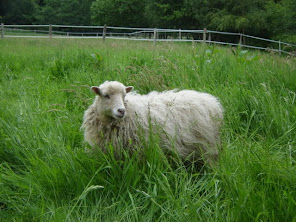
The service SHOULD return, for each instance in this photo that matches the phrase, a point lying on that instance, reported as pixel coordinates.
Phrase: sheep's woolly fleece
(186, 121)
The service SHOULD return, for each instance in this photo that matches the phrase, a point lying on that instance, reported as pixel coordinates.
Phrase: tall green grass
(47, 176)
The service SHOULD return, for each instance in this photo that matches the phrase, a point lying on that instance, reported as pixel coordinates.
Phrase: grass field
(47, 176)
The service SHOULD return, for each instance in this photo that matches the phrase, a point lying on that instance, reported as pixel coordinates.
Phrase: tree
(281, 16)
(119, 12)
(291, 15)
(18, 11)
(66, 12)
(166, 13)
(247, 16)
(196, 11)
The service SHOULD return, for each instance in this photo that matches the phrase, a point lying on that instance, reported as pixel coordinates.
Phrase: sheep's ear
(129, 89)
(96, 90)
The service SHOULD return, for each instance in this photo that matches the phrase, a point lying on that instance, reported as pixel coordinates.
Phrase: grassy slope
(45, 174)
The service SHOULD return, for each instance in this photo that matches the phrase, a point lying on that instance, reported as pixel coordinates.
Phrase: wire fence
(147, 34)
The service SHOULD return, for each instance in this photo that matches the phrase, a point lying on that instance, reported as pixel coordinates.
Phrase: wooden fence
(147, 34)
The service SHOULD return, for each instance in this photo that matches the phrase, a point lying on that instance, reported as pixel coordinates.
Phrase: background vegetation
(264, 18)
(47, 176)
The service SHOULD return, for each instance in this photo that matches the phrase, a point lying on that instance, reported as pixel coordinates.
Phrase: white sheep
(186, 121)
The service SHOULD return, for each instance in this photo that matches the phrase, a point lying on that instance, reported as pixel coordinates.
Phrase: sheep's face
(112, 95)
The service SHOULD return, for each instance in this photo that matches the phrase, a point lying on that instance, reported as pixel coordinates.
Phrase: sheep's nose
(121, 111)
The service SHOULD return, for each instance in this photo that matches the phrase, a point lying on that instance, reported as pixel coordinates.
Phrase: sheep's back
(187, 116)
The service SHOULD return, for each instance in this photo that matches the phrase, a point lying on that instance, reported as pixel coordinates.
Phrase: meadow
(46, 175)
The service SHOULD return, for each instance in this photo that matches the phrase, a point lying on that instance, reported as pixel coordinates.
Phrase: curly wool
(189, 118)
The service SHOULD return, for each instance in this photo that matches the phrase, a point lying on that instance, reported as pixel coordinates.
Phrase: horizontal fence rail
(147, 34)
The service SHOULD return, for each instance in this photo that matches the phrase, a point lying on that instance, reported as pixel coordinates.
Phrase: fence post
(280, 48)
(154, 36)
(2, 30)
(240, 39)
(210, 39)
(104, 32)
(50, 31)
(180, 34)
(205, 35)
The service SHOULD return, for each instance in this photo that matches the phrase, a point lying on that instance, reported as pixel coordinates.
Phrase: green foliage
(197, 12)
(119, 12)
(263, 18)
(244, 17)
(165, 14)
(66, 12)
(47, 176)
(18, 11)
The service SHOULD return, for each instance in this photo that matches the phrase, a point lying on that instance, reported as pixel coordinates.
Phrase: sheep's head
(111, 98)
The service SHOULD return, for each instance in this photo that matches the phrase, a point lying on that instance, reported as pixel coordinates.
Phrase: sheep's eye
(106, 96)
